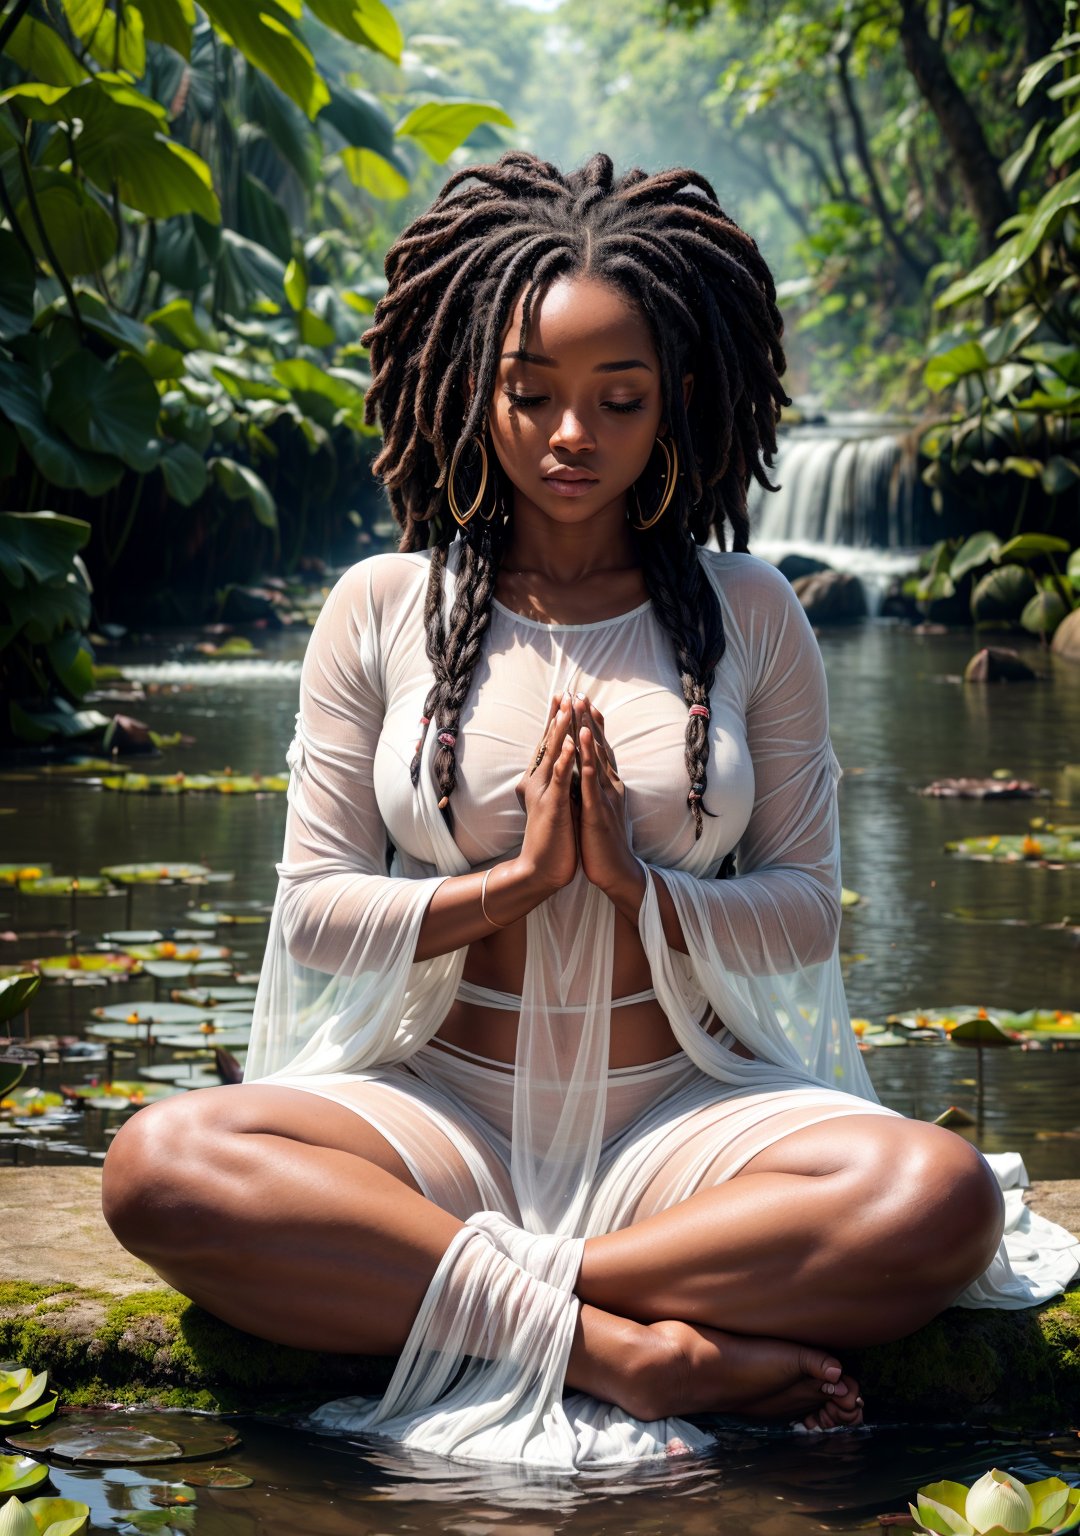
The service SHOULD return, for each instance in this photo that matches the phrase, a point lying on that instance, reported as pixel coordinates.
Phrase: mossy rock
(158, 1349)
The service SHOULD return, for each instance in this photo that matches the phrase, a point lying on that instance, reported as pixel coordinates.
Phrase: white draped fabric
(342, 1008)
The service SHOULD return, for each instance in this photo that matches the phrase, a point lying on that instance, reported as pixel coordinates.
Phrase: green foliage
(181, 227)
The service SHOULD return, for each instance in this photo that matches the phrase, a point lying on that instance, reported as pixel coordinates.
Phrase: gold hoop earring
(671, 471)
(462, 518)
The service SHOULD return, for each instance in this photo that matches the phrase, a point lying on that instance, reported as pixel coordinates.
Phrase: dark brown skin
(289, 1216)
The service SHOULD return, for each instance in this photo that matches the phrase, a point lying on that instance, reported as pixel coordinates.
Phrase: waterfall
(849, 496)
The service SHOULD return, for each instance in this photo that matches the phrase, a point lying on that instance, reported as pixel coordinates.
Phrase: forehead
(580, 316)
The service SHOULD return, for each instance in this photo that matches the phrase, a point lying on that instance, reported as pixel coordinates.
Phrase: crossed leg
(290, 1216)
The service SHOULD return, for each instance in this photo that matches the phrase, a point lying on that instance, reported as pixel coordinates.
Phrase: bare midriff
(640, 1032)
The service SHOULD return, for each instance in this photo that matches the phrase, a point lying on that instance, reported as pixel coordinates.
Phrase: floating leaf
(218, 1477)
(124, 1439)
(1051, 846)
(156, 873)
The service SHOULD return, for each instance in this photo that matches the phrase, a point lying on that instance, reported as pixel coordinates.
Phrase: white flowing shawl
(340, 991)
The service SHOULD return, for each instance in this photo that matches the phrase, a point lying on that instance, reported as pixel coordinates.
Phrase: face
(575, 416)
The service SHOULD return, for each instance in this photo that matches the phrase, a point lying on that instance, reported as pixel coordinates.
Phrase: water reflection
(762, 1483)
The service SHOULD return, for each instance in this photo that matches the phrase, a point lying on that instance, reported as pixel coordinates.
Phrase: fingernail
(828, 1386)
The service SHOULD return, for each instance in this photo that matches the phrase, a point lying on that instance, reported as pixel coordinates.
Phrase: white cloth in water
(341, 998)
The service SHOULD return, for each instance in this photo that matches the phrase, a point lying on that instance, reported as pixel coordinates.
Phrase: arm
(782, 910)
(341, 911)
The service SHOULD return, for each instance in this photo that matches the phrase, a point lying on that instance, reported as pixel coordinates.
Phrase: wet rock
(247, 605)
(896, 603)
(1066, 641)
(127, 737)
(983, 789)
(793, 566)
(998, 664)
(831, 597)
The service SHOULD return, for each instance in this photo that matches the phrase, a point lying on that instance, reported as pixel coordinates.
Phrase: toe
(818, 1364)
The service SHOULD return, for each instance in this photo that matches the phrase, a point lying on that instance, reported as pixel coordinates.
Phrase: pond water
(755, 1483)
(932, 930)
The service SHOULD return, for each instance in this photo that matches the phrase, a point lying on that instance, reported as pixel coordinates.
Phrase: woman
(550, 1105)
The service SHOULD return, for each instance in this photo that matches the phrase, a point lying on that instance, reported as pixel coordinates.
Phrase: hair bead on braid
(494, 233)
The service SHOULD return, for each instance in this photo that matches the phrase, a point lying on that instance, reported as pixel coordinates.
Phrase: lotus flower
(997, 1505)
(24, 1398)
(43, 1517)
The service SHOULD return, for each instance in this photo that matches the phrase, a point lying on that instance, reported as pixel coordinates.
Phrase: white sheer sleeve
(763, 944)
(343, 932)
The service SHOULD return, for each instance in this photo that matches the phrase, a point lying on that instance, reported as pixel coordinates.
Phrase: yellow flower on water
(30, 873)
(992, 842)
(860, 1026)
(1031, 847)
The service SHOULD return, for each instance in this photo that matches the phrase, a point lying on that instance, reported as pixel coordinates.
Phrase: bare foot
(695, 1369)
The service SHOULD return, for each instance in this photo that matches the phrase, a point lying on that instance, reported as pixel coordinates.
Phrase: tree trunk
(975, 162)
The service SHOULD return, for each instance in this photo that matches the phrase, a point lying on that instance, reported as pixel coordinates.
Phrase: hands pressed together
(575, 804)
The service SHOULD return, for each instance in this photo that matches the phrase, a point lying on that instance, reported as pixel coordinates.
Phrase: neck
(566, 553)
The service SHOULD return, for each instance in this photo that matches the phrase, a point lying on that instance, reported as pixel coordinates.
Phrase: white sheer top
(339, 990)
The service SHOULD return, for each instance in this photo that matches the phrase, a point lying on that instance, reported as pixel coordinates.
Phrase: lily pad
(68, 885)
(229, 1039)
(157, 873)
(17, 1473)
(164, 951)
(72, 967)
(150, 1013)
(217, 1477)
(196, 783)
(210, 997)
(122, 1438)
(11, 874)
(1047, 848)
(222, 919)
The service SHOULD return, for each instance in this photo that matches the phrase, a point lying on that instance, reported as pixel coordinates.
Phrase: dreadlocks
(454, 276)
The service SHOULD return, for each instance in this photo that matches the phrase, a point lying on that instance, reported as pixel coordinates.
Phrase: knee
(945, 1208)
(152, 1172)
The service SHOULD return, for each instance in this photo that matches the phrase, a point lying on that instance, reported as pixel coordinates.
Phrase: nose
(572, 433)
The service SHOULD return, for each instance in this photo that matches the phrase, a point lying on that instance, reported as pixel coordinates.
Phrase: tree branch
(895, 238)
(987, 198)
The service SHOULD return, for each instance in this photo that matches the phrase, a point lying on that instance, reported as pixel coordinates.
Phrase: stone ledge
(74, 1302)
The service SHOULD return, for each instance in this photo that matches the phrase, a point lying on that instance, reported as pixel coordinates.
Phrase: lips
(570, 474)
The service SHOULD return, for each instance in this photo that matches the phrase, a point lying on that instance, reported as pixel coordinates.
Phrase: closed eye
(523, 402)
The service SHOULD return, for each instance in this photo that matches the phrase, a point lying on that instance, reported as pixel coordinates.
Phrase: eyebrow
(519, 356)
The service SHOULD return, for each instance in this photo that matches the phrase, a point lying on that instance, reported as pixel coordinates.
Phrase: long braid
(499, 232)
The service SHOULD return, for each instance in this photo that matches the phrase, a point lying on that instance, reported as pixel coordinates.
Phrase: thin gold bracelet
(483, 903)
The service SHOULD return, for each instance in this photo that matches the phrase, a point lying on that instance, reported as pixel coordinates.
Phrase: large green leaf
(440, 126)
(170, 22)
(1026, 544)
(242, 484)
(361, 120)
(265, 37)
(178, 320)
(39, 49)
(367, 22)
(39, 545)
(368, 169)
(185, 473)
(1044, 613)
(247, 271)
(72, 661)
(261, 217)
(108, 407)
(946, 368)
(974, 551)
(114, 37)
(17, 289)
(127, 335)
(58, 459)
(46, 609)
(80, 231)
(319, 393)
(153, 173)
